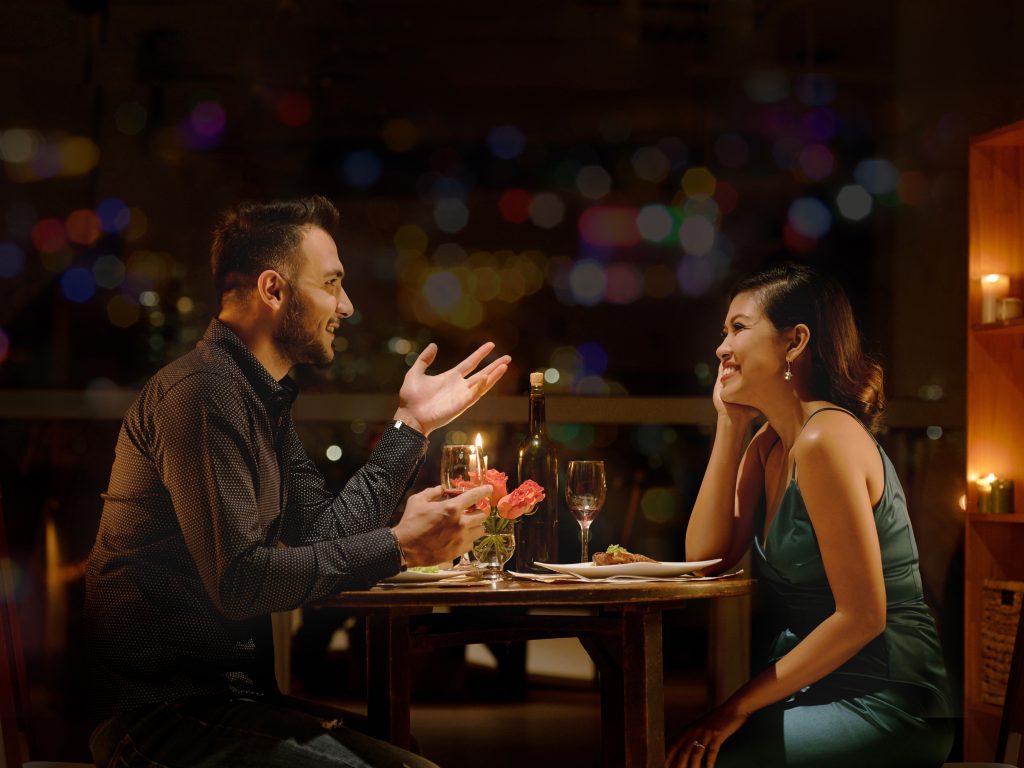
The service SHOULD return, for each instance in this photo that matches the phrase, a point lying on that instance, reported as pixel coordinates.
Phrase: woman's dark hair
(842, 372)
(252, 237)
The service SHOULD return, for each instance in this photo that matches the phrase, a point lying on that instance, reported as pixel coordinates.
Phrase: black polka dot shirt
(213, 518)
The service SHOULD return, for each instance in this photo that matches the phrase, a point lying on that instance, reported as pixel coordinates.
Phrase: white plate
(591, 571)
(418, 577)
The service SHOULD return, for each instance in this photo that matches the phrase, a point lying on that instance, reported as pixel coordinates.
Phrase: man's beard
(300, 339)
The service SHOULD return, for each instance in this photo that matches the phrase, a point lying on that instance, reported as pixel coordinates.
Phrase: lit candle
(985, 492)
(480, 448)
(993, 288)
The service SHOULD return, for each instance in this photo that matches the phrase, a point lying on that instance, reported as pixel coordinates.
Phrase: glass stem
(584, 543)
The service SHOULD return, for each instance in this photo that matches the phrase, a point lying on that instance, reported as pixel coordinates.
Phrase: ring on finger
(698, 745)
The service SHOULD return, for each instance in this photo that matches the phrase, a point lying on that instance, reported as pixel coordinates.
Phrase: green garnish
(614, 548)
(425, 569)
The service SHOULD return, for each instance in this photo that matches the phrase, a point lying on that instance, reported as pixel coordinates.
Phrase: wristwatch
(401, 553)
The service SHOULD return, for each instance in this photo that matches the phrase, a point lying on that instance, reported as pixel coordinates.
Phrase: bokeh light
(411, 240)
(809, 217)
(514, 205)
(819, 124)
(650, 164)
(442, 291)
(767, 86)
(47, 162)
(83, 227)
(48, 235)
(588, 282)
(12, 259)
(593, 182)
(333, 452)
(506, 142)
(79, 156)
(451, 215)
(122, 311)
(816, 161)
(697, 235)
(108, 271)
(609, 226)
(78, 285)
(698, 182)
(695, 275)
(400, 134)
(293, 109)
(138, 225)
(361, 169)
(655, 223)
(877, 175)
(204, 127)
(18, 145)
(659, 505)
(130, 118)
(854, 202)
(114, 215)
(595, 358)
(547, 210)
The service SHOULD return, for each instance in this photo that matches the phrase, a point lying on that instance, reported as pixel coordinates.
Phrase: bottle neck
(537, 416)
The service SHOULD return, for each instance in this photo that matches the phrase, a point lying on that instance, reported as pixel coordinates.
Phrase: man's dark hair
(252, 237)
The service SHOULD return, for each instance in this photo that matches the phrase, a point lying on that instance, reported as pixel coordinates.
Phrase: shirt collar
(271, 391)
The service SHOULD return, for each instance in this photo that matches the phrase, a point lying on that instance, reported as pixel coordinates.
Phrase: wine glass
(585, 491)
(460, 470)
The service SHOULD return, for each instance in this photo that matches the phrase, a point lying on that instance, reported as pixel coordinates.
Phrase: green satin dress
(886, 706)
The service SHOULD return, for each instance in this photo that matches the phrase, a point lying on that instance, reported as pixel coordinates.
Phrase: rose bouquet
(495, 547)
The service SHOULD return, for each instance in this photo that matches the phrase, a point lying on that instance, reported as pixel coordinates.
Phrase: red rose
(498, 482)
(521, 500)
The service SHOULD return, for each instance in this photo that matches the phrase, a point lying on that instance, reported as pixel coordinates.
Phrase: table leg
(388, 678)
(632, 690)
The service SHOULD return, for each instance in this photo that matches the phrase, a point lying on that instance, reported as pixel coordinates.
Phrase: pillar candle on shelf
(985, 492)
(993, 288)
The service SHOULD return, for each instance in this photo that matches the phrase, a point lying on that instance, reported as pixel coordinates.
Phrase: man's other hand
(435, 529)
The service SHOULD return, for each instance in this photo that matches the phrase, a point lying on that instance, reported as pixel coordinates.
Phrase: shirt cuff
(399, 450)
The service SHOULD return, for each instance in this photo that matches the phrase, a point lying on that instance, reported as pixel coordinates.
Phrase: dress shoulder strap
(831, 408)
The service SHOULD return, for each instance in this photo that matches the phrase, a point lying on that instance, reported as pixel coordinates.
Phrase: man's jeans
(221, 731)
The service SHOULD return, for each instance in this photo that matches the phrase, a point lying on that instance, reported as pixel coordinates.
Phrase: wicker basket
(1000, 610)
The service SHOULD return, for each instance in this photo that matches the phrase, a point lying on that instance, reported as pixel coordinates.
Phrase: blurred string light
(28, 156)
(698, 182)
(552, 376)
(361, 169)
(703, 373)
(732, 150)
(506, 142)
(593, 182)
(333, 452)
(697, 235)
(696, 274)
(5, 346)
(185, 305)
(293, 108)
(400, 134)
(514, 205)
(130, 118)
(854, 202)
(819, 124)
(122, 311)
(451, 215)
(12, 260)
(18, 145)
(650, 164)
(48, 235)
(726, 197)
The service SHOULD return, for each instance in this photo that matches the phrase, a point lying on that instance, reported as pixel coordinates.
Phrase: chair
(13, 682)
(1011, 726)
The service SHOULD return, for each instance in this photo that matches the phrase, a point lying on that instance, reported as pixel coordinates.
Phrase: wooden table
(623, 638)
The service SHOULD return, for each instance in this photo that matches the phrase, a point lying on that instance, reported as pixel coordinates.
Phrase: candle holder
(994, 287)
(995, 495)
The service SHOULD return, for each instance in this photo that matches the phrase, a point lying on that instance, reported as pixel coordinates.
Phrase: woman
(855, 674)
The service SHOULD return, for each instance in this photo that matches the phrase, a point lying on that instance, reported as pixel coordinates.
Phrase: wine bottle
(537, 537)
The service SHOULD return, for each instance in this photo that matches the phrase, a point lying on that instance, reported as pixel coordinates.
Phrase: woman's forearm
(710, 530)
(832, 643)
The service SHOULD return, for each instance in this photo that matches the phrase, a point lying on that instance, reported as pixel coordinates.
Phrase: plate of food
(420, 574)
(618, 561)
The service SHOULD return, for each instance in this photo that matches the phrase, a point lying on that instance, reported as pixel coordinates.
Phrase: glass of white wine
(585, 489)
(460, 470)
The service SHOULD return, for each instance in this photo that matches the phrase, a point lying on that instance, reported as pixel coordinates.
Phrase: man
(215, 516)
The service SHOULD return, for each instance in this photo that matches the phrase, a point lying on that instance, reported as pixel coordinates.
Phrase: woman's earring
(788, 375)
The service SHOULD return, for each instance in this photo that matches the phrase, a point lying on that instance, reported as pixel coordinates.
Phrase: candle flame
(479, 441)
(994, 278)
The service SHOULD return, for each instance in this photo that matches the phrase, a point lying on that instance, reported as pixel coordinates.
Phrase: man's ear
(800, 337)
(270, 288)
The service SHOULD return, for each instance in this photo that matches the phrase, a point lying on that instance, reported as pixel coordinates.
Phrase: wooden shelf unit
(995, 404)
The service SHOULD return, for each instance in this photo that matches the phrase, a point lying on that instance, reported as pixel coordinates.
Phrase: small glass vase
(491, 551)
